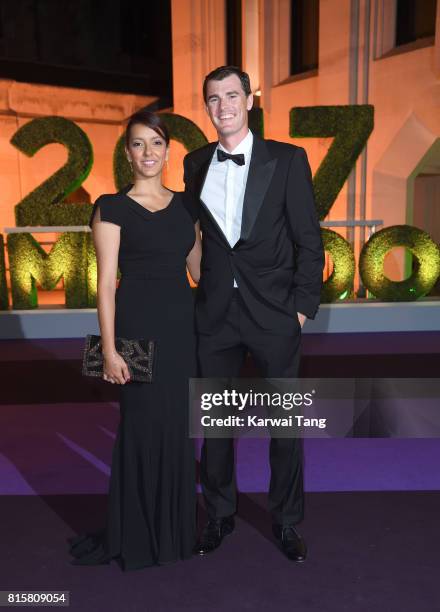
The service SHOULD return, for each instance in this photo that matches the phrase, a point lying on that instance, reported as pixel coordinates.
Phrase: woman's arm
(195, 255)
(106, 238)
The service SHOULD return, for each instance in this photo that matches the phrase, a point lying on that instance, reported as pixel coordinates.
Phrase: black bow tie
(223, 156)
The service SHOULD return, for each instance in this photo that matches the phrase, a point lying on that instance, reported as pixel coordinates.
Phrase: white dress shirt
(224, 188)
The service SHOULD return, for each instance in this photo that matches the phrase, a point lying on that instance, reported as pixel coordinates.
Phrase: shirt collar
(245, 146)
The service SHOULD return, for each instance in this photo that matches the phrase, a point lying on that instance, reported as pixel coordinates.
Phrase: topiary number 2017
(73, 259)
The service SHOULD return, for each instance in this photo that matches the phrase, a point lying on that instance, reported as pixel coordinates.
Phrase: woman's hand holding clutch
(115, 369)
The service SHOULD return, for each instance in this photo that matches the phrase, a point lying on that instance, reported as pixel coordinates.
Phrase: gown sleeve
(110, 208)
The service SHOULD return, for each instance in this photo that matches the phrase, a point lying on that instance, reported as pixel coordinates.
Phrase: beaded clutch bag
(137, 354)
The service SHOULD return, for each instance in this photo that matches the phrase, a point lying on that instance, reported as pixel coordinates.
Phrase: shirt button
(232, 253)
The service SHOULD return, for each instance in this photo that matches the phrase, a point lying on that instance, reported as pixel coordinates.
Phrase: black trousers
(276, 356)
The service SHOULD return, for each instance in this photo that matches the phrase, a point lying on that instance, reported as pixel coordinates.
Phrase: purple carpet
(372, 505)
(54, 422)
(66, 449)
(367, 551)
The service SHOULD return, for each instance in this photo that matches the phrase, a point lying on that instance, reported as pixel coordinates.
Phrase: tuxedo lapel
(200, 174)
(261, 170)
(201, 171)
(260, 174)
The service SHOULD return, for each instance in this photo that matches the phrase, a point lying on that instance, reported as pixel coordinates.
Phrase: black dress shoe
(292, 544)
(213, 534)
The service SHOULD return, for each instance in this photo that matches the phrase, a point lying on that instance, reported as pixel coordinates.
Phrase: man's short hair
(221, 73)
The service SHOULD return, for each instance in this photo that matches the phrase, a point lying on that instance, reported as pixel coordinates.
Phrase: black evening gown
(152, 492)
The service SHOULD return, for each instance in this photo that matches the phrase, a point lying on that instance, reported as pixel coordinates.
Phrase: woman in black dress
(152, 235)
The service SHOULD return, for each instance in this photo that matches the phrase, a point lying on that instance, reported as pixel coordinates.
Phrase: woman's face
(147, 151)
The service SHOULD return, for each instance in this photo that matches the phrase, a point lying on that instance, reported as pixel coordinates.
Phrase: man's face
(227, 105)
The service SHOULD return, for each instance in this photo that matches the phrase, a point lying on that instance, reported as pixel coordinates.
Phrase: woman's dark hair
(149, 119)
(222, 72)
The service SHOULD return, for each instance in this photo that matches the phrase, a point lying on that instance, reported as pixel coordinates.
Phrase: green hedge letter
(44, 205)
(4, 299)
(341, 279)
(29, 264)
(421, 281)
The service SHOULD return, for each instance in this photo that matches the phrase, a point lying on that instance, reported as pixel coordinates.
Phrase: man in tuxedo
(261, 277)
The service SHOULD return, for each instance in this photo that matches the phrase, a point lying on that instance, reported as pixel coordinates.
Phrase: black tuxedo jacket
(278, 260)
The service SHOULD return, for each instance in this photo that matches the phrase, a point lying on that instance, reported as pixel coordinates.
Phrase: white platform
(347, 317)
